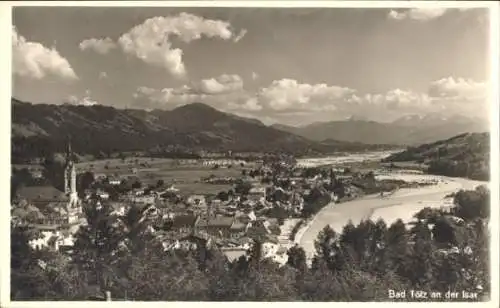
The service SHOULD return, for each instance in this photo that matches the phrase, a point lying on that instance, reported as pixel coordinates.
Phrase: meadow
(185, 175)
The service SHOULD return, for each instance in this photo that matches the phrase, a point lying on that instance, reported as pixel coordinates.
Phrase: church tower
(70, 185)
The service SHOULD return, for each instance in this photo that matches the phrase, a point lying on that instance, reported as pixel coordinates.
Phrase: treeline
(361, 263)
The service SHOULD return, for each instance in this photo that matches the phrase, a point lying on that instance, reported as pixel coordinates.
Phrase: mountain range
(407, 130)
(38, 129)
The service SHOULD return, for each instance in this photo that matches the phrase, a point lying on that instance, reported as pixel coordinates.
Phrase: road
(404, 202)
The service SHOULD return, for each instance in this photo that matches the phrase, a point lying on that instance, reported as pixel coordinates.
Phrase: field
(186, 175)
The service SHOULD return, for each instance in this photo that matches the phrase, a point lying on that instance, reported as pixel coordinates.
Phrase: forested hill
(465, 155)
(38, 129)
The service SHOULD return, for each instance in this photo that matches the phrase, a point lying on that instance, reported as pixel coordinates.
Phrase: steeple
(69, 172)
(70, 184)
(69, 153)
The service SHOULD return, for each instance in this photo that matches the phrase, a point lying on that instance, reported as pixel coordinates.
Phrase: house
(143, 199)
(197, 200)
(238, 229)
(49, 199)
(36, 173)
(114, 181)
(184, 223)
(217, 226)
(119, 208)
(102, 194)
(257, 193)
(100, 176)
(52, 237)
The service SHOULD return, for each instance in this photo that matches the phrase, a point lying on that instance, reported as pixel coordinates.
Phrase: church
(47, 205)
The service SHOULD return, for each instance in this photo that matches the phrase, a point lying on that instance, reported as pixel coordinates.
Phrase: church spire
(69, 152)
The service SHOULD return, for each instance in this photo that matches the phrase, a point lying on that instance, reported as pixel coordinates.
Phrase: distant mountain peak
(356, 118)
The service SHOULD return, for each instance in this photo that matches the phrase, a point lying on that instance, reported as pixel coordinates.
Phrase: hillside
(465, 155)
(38, 129)
(408, 130)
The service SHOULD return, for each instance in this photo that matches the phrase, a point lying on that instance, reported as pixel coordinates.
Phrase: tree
(397, 247)
(421, 259)
(137, 184)
(54, 171)
(154, 275)
(297, 258)
(97, 245)
(473, 204)
(28, 279)
(243, 187)
(135, 223)
(85, 181)
(223, 196)
(160, 183)
(325, 246)
(314, 201)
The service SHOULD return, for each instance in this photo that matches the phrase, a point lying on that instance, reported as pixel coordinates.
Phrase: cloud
(250, 104)
(294, 102)
(384, 106)
(290, 101)
(222, 84)
(460, 96)
(150, 41)
(101, 46)
(219, 91)
(103, 75)
(421, 14)
(255, 76)
(166, 98)
(286, 94)
(85, 101)
(458, 88)
(242, 33)
(33, 60)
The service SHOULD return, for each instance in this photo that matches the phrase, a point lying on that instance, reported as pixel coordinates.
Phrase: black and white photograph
(336, 152)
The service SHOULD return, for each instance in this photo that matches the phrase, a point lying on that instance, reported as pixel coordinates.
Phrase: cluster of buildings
(55, 214)
(230, 220)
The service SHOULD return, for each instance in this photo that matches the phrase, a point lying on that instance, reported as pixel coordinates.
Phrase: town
(268, 198)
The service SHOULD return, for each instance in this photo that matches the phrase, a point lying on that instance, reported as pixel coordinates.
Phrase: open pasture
(186, 175)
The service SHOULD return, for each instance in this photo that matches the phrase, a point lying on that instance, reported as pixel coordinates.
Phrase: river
(401, 204)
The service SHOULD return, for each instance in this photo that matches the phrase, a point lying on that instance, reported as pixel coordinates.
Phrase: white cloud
(222, 84)
(31, 59)
(255, 76)
(85, 101)
(150, 41)
(166, 98)
(383, 106)
(286, 94)
(294, 102)
(460, 87)
(219, 91)
(102, 46)
(242, 33)
(420, 14)
(248, 105)
(460, 96)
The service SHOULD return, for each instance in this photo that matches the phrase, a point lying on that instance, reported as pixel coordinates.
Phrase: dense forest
(439, 252)
(465, 155)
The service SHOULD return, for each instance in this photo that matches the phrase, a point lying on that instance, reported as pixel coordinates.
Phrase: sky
(280, 65)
